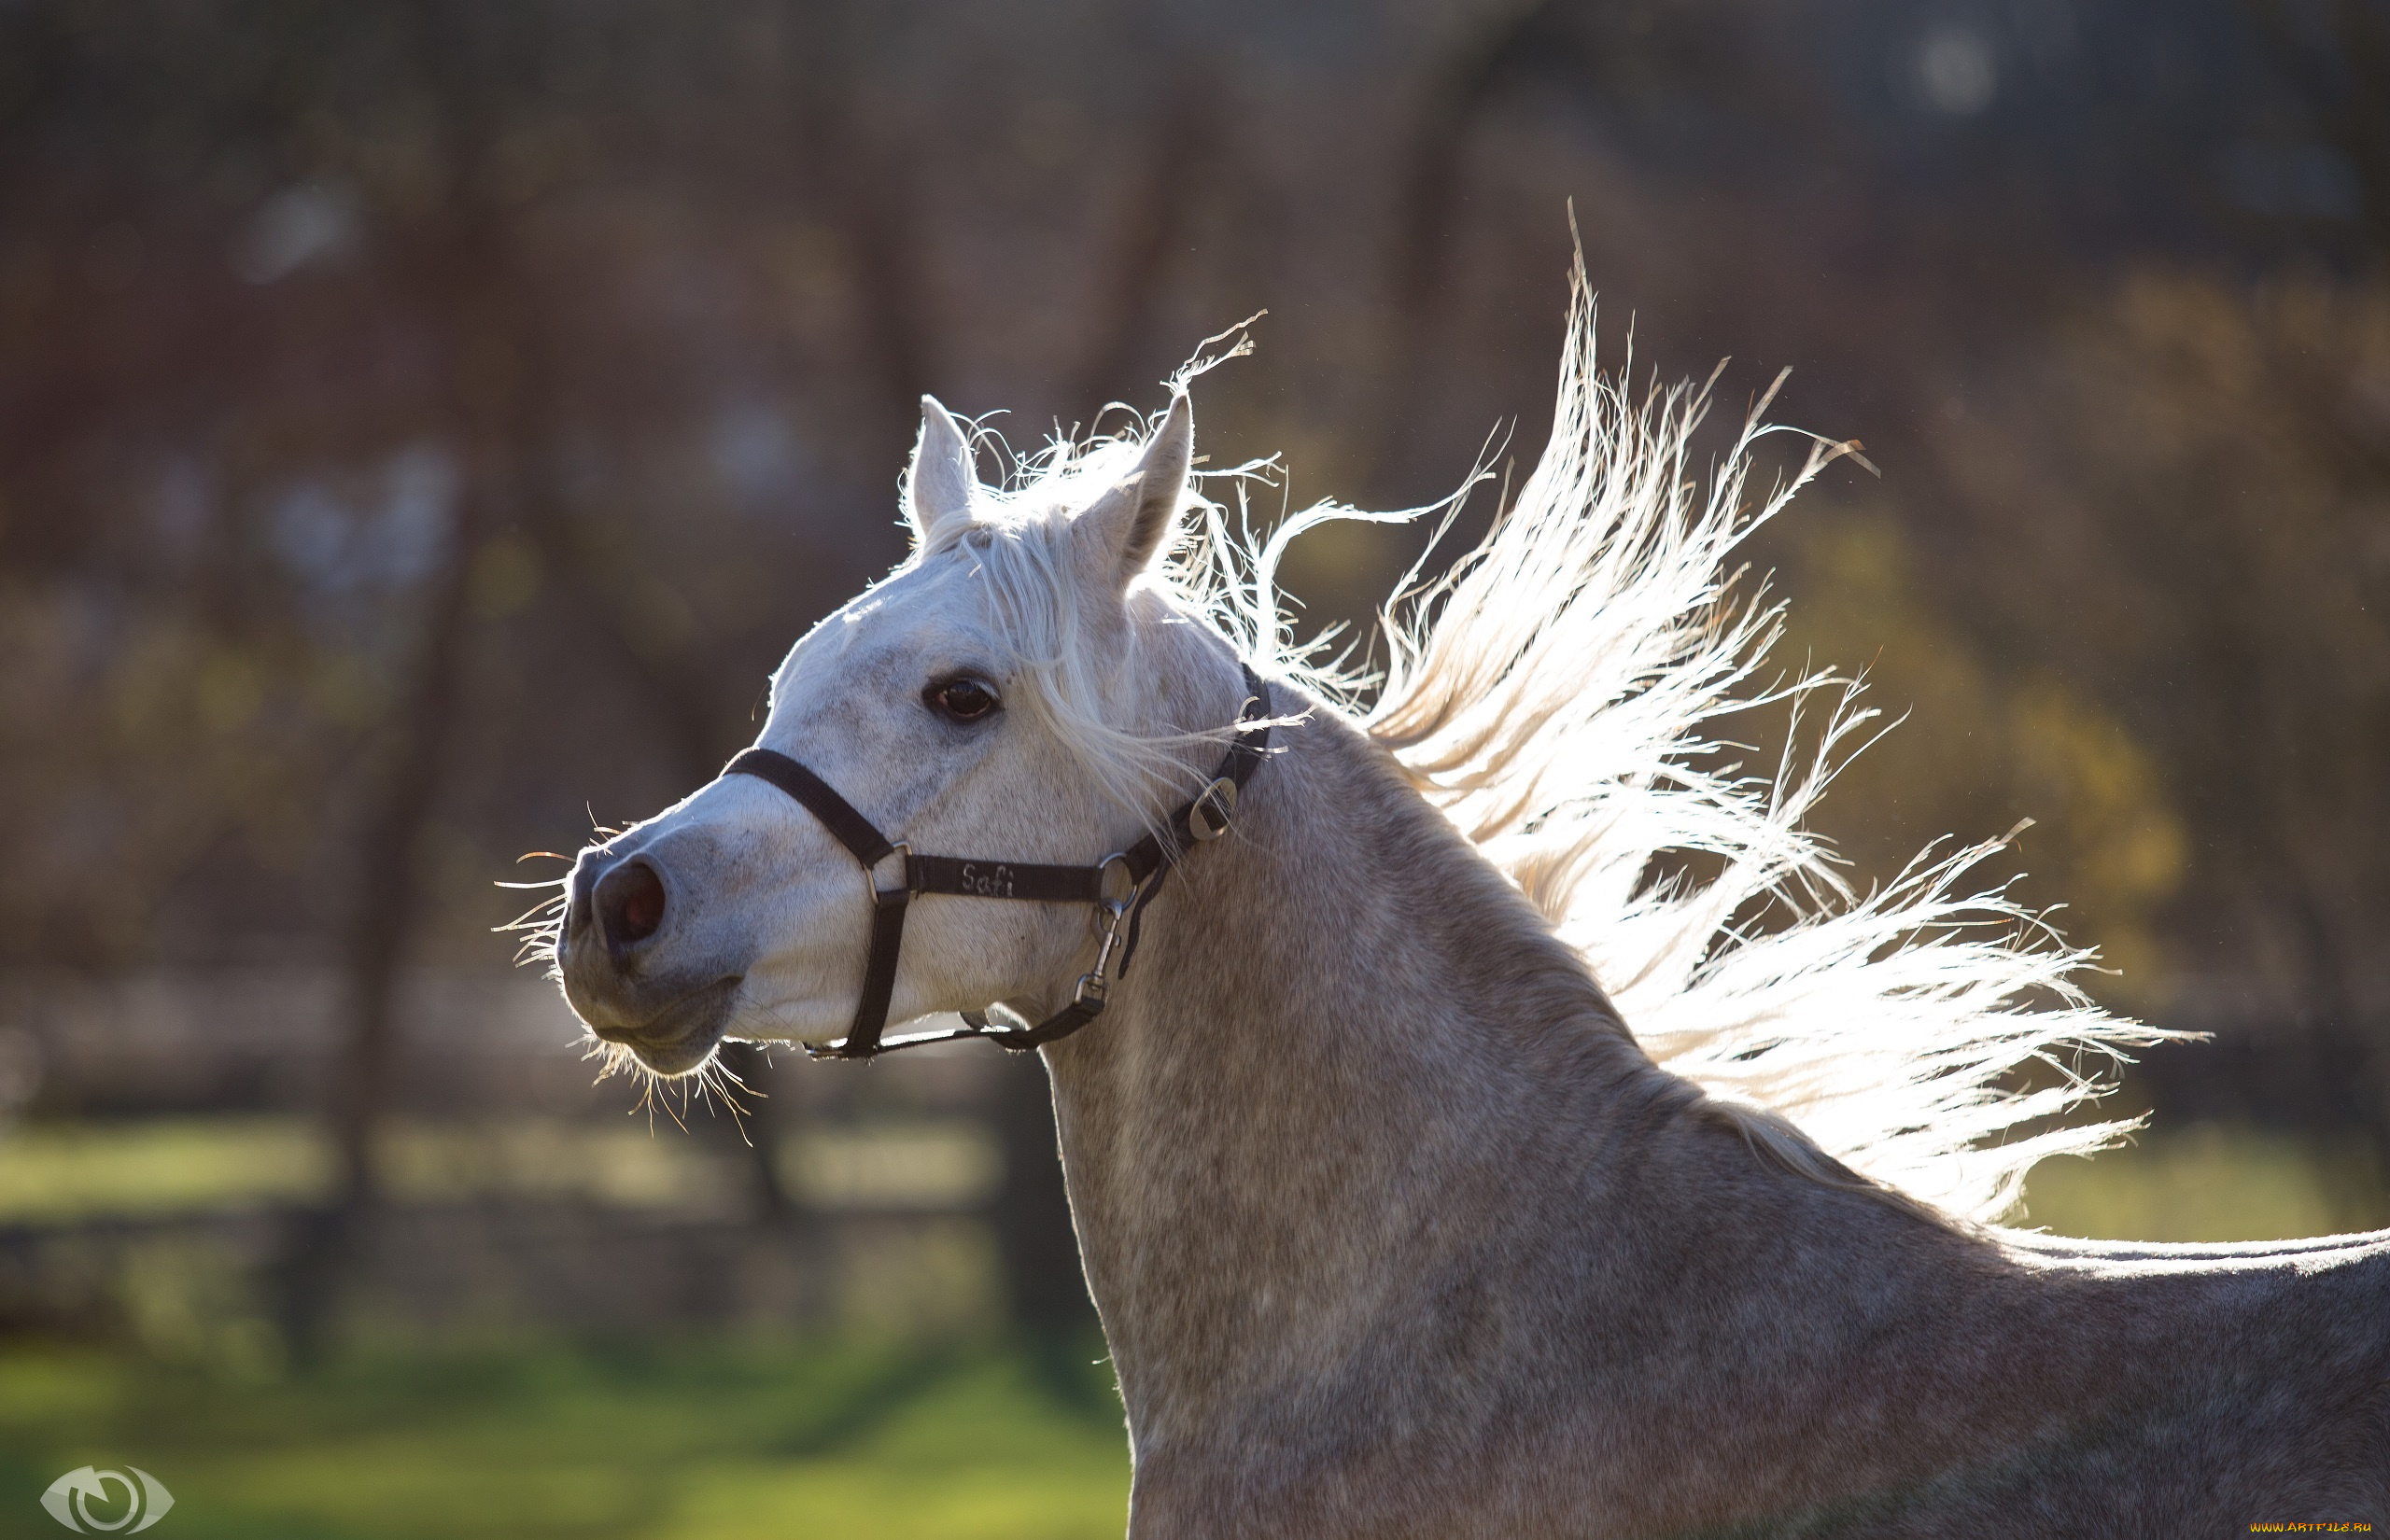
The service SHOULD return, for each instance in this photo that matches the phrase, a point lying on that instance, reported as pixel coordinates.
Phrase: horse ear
(938, 485)
(1134, 519)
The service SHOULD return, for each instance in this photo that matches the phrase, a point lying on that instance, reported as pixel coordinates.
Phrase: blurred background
(423, 426)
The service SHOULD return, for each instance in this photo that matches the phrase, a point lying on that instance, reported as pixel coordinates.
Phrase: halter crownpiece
(1119, 887)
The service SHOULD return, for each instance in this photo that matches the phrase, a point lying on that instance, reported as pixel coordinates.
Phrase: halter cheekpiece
(1119, 887)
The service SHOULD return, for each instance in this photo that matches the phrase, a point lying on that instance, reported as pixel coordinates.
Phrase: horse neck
(1346, 1038)
(1370, 1182)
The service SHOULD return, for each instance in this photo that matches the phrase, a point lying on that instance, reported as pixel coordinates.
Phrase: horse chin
(683, 1037)
(685, 1057)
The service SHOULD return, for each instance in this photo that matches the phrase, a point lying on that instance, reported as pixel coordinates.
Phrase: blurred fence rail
(267, 1038)
(164, 1152)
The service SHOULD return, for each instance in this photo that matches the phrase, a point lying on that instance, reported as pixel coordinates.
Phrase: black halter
(1118, 886)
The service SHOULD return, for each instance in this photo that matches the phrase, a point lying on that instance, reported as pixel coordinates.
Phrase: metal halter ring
(1110, 891)
(903, 892)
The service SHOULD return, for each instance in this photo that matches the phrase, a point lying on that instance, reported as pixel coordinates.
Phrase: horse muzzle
(621, 958)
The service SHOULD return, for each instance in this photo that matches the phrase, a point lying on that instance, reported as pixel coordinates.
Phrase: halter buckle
(883, 898)
(1208, 815)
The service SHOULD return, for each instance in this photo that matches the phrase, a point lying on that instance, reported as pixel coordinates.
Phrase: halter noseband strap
(1119, 887)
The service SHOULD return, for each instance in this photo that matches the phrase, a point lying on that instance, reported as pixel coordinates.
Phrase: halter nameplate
(1147, 863)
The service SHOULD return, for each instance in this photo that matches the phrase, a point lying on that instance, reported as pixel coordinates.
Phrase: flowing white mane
(1553, 694)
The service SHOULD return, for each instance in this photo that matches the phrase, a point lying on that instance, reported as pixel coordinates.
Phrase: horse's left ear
(1133, 520)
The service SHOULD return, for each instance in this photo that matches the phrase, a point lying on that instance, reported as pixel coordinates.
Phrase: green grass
(703, 1441)
(2211, 1182)
(146, 1169)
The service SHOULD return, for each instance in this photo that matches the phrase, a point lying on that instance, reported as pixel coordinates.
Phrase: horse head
(1013, 688)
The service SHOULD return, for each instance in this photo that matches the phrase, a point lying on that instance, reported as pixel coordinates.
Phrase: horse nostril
(582, 895)
(630, 903)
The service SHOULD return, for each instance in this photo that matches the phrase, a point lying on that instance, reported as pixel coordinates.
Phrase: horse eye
(962, 699)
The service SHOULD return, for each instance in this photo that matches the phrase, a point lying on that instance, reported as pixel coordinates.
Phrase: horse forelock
(1079, 648)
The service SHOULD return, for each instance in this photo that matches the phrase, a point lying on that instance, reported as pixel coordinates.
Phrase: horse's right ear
(938, 485)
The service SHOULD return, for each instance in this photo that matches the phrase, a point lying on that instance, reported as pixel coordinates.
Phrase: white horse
(1455, 1153)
